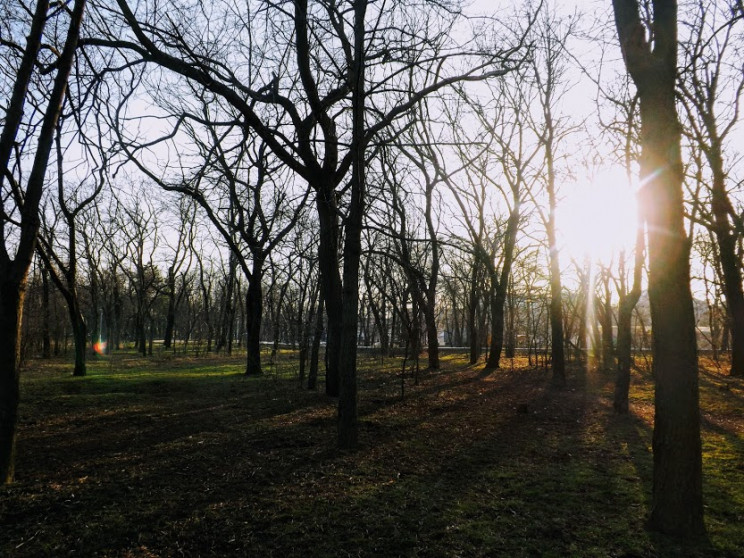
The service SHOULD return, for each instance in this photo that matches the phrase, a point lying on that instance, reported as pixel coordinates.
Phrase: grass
(188, 457)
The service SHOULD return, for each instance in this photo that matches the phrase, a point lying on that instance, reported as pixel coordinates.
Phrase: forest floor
(187, 457)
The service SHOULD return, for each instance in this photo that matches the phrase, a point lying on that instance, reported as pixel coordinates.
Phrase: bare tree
(415, 244)
(505, 128)
(317, 109)
(629, 295)
(261, 212)
(108, 235)
(181, 256)
(621, 131)
(711, 83)
(306, 287)
(421, 259)
(139, 227)
(649, 48)
(62, 262)
(549, 73)
(19, 226)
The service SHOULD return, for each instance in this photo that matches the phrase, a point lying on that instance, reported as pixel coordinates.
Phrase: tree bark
(511, 332)
(378, 311)
(556, 314)
(11, 306)
(556, 287)
(499, 291)
(429, 306)
(170, 316)
(605, 321)
(254, 312)
(141, 328)
(80, 334)
(473, 315)
(46, 350)
(225, 335)
(584, 301)
(677, 503)
(432, 335)
(624, 359)
(730, 266)
(330, 282)
(312, 377)
(347, 404)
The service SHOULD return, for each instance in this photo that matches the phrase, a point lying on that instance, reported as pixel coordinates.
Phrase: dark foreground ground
(186, 457)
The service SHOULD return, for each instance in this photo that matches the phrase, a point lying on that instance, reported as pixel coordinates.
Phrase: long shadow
(172, 470)
(527, 467)
(636, 434)
(434, 383)
(453, 474)
(118, 478)
(440, 399)
(498, 466)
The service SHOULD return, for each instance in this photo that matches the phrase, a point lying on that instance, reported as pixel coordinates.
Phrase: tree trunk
(432, 335)
(13, 272)
(306, 332)
(429, 306)
(227, 312)
(11, 305)
(141, 333)
(473, 316)
(347, 403)
(170, 317)
(677, 503)
(117, 313)
(151, 337)
(80, 334)
(556, 317)
(624, 358)
(605, 317)
(511, 333)
(312, 377)
(46, 350)
(626, 305)
(499, 289)
(254, 312)
(456, 322)
(95, 302)
(581, 344)
(498, 301)
(330, 281)
(380, 320)
(730, 269)
(65, 281)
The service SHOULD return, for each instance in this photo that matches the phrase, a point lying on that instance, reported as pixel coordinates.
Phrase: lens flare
(100, 347)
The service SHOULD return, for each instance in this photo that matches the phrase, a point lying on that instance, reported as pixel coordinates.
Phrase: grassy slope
(188, 457)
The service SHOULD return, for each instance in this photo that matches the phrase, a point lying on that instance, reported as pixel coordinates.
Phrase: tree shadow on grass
(516, 484)
(634, 432)
(531, 483)
(500, 465)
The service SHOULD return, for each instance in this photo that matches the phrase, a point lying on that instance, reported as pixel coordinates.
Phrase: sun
(598, 218)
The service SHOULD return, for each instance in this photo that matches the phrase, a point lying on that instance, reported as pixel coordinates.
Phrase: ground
(187, 457)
